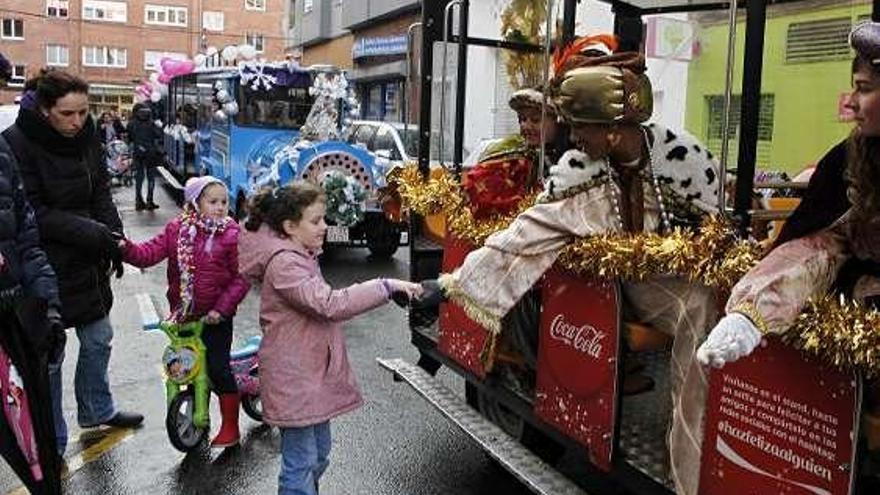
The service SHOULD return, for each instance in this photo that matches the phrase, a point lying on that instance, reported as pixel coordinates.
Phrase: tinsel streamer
(841, 332)
(443, 194)
(713, 256)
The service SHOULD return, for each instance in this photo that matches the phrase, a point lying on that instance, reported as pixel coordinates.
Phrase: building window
(817, 41)
(255, 40)
(57, 55)
(13, 29)
(57, 8)
(716, 117)
(212, 21)
(105, 56)
(153, 57)
(105, 11)
(165, 15)
(308, 5)
(18, 76)
(255, 4)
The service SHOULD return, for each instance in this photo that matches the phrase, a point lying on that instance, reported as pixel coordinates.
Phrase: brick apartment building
(114, 44)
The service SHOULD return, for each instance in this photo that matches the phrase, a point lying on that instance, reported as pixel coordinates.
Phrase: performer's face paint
(592, 139)
(864, 100)
(530, 126)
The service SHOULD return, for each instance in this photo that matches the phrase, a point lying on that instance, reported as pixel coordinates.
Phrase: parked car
(393, 142)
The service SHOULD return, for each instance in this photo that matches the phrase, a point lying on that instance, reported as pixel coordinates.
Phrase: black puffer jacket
(25, 265)
(68, 187)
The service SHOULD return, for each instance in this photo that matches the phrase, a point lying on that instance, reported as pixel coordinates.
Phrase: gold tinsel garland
(840, 332)
(443, 194)
(715, 257)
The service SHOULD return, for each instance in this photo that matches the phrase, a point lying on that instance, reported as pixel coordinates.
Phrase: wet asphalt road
(395, 444)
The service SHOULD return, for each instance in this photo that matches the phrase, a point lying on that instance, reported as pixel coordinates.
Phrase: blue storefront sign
(378, 46)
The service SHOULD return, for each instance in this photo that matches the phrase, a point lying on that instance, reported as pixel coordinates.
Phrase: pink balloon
(175, 67)
(165, 78)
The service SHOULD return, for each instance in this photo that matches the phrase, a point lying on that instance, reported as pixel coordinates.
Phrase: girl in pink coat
(201, 246)
(305, 377)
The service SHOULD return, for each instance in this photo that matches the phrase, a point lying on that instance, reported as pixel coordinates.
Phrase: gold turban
(605, 90)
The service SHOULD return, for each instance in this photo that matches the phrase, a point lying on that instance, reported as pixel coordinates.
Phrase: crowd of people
(605, 170)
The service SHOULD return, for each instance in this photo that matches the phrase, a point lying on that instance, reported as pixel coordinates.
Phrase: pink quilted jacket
(305, 376)
(217, 285)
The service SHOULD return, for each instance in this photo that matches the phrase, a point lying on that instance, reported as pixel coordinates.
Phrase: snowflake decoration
(255, 75)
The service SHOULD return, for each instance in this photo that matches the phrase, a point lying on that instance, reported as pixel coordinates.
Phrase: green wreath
(345, 199)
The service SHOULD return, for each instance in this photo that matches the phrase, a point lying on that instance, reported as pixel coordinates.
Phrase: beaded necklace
(666, 224)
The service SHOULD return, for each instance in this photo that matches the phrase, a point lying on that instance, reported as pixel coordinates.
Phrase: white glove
(734, 337)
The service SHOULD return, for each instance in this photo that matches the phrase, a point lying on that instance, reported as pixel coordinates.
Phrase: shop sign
(379, 46)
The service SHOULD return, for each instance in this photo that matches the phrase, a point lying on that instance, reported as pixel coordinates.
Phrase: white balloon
(200, 59)
(161, 88)
(230, 53)
(220, 114)
(154, 77)
(155, 96)
(212, 50)
(230, 108)
(222, 96)
(247, 52)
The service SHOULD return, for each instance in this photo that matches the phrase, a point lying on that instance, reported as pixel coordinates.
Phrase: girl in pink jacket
(305, 377)
(201, 245)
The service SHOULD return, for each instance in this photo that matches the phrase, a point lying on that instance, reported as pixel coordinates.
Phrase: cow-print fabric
(686, 172)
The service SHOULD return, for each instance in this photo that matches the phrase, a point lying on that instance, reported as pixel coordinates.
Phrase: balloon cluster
(224, 103)
(156, 86)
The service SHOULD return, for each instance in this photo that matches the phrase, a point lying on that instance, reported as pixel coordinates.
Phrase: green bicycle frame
(186, 347)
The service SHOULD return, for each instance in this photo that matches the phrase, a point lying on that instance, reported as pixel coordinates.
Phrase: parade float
(255, 124)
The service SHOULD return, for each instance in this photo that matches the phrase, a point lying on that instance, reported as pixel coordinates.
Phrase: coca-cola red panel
(777, 422)
(461, 339)
(577, 361)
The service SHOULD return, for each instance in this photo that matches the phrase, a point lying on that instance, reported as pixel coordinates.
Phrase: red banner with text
(778, 422)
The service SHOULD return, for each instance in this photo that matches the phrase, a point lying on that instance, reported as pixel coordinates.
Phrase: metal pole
(875, 11)
(756, 14)
(548, 35)
(407, 82)
(725, 122)
(569, 12)
(446, 13)
(431, 21)
(460, 86)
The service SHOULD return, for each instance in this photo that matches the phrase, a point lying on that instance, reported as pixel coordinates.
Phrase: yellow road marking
(112, 438)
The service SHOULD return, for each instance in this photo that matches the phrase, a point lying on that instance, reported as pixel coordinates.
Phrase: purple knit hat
(196, 185)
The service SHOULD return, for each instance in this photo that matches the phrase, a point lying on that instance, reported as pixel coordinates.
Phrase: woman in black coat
(58, 150)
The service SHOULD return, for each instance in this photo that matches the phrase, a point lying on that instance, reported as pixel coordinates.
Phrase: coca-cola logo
(585, 338)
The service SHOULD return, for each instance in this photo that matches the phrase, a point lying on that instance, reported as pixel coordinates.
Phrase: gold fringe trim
(453, 292)
(751, 312)
(841, 332)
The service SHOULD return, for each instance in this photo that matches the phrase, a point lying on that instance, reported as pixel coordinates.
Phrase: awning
(388, 70)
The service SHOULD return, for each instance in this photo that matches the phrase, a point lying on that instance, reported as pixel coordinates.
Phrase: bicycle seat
(250, 347)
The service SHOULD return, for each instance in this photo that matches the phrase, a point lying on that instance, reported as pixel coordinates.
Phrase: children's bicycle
(188, 388)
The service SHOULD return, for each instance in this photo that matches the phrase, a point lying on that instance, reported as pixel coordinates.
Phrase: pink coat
(305, 377)
(217, 284)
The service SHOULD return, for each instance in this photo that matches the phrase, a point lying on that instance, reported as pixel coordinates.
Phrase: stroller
(118, 158)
